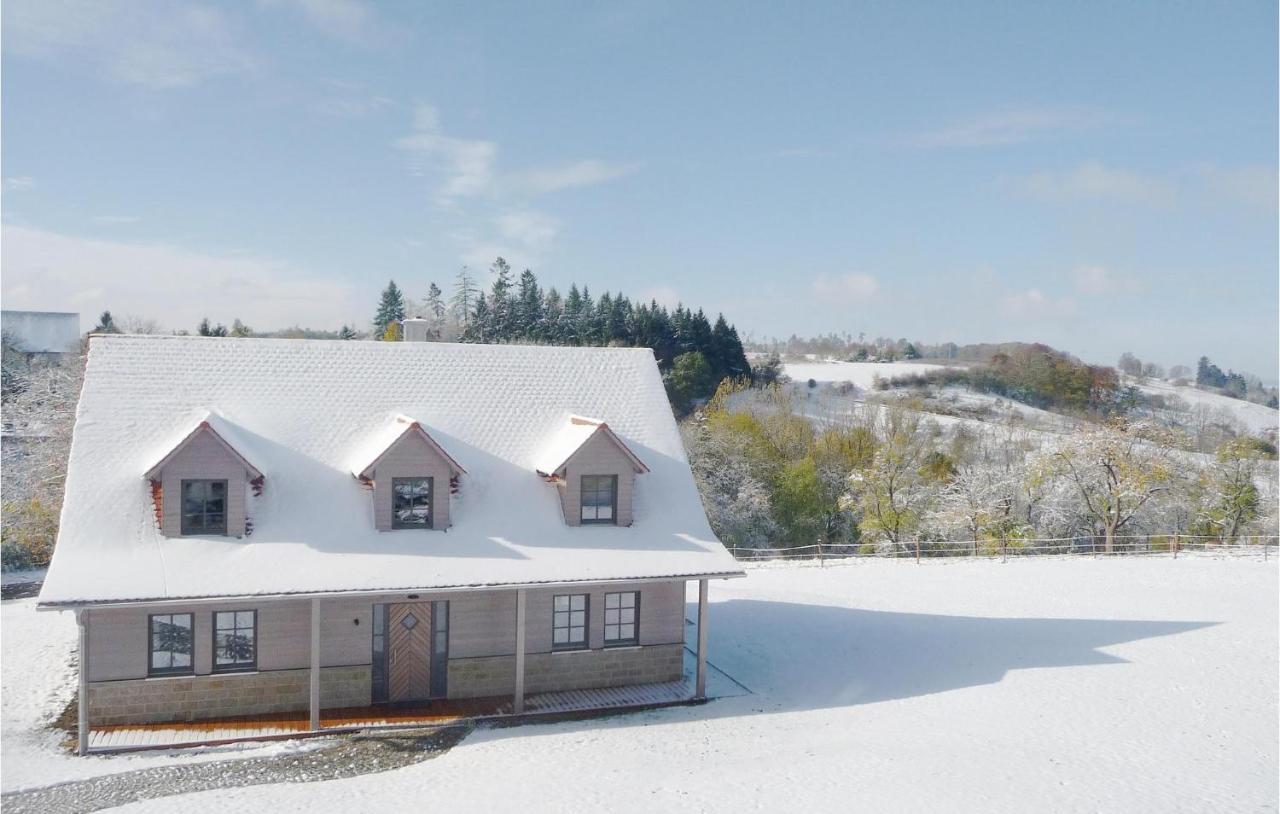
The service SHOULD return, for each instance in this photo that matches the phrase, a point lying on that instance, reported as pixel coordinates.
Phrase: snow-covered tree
(390, 308)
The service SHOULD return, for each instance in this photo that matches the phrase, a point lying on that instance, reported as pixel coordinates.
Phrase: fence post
(1175, 546)
(917, 551)
(821, 562)
(1004, 551)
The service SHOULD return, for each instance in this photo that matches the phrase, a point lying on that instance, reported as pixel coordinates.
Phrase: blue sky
(1098, 176)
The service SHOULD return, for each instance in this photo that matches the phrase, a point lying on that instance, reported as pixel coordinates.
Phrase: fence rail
(1171, 545)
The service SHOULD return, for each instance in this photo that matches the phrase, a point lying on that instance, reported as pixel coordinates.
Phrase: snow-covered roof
(573, 433)
(386, 437)
(217, 427)
(305, 411)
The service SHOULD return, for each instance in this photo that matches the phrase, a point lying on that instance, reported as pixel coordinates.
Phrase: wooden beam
(517, 703)
(82, 705)
(701, 691)
(315, 664)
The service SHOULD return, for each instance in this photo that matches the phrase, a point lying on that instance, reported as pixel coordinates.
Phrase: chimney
(417, 330)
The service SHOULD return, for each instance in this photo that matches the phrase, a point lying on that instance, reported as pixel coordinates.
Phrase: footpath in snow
(1113, 685)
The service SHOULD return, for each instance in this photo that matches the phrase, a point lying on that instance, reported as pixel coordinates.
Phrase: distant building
(43, 334)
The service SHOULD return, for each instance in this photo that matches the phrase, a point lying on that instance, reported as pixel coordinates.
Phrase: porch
(136, 737)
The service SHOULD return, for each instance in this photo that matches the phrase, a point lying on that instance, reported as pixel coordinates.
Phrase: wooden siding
(411, 457)
(203, 458)
(598, 456)
(481, 624)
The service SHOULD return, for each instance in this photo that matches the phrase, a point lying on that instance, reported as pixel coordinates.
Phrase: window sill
(624, 646)
(252, 671)
(567, 652)
(166, 676)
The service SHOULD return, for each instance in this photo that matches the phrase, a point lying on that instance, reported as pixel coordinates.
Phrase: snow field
(1114, 685)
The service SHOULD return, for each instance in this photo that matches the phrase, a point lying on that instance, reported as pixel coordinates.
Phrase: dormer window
(204, 507)
(600, 499)
(593, 470)
(201, 484)
(411, 503)
(411, 475)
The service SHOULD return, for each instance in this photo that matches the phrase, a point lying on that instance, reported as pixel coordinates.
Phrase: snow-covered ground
(1258, 418)
(1120, 685)
(861, 374)
(37, 680)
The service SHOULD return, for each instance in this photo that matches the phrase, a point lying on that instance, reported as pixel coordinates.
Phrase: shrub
(30, 529)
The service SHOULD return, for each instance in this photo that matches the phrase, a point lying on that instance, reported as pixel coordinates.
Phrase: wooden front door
(409, 651)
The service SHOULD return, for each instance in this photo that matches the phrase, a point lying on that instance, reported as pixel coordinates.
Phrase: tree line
(693, 353)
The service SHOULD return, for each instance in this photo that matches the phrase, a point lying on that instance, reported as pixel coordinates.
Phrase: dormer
(201, 484)
(593, 472)
(412, 477)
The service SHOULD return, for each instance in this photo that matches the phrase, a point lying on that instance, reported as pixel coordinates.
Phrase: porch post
(315, 664)
(701, 691)
(517, 703)
(82, 706)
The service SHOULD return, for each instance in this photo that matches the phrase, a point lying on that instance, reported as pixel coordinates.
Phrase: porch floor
(128, 737)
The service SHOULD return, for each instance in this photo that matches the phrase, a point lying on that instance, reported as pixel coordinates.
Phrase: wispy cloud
(533, 230)
(351, 100)
(1094, 181)
(1035, 304)
(19, 183)
(1097, 280)
(465, 164)
(584, 173)
(1012, 127)
(150, 44)
(114, 220)
(804, 152)
(1254, 185)
(346, 20)
(48, 270)
(846, 289)
(665, 295)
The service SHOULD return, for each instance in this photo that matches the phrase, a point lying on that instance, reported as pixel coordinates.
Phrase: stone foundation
(191, 698)
(572, 670)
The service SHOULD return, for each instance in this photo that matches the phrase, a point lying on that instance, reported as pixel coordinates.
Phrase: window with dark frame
(622, 618)
(204, 507)
(599, 498)
(172, 639)
(411, 503)
(569, 622)
(235, 641)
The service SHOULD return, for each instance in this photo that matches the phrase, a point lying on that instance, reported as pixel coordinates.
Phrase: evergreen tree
(106, 325)
(477, 329)
(347, 332)
(390, 308)
(571, 318)
(464, 296)
(500, 302)
(205, 329)
(529, 311)
(238, 328)
(433, 305)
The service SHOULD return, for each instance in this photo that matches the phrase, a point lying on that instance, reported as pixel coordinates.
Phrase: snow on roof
(575, 432)
(393, 431)
(214, 424)
(302, 410)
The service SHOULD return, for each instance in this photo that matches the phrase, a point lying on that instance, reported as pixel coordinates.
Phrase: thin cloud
(1254, 186)
(347, 20)
(589, 172)
(846, 289)
(466, 164)
(1012, 127)
(114, 220)
(154, 45)
(46, 270)
(1094, 181)
(19, 183)
(1097, 280)
(533, 230)
(1035, 304)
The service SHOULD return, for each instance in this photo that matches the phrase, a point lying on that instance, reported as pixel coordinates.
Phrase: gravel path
(356, 755)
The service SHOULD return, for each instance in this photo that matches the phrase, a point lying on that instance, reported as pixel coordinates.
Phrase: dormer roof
(576, 431)
(216, 427)
(381, 442)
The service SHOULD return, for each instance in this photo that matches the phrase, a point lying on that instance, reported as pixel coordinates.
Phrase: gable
(204, 445)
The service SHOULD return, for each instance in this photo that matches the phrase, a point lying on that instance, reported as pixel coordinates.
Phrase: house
(264, 525)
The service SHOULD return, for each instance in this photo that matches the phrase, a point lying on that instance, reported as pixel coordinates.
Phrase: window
(171, 640)
(380, 690)
(621, 618)
(599, 498)
(569, 622)
(204, 507)
(235, 641)
(411, 503)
